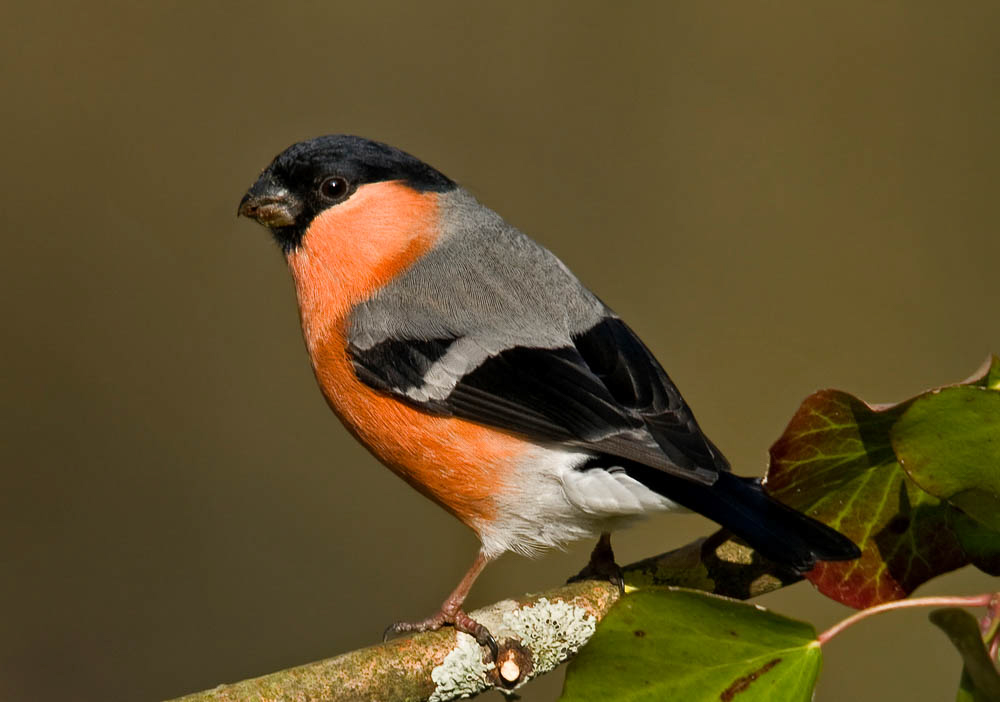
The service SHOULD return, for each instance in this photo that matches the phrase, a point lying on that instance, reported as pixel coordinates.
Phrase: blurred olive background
(778, 197)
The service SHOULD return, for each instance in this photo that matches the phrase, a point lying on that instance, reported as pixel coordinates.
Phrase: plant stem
(990, 626)
(969, 601)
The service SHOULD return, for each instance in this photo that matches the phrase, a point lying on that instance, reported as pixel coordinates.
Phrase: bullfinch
(471, 361)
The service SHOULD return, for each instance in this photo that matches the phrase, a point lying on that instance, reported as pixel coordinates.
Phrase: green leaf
(836, 462)
(673, 644)
(967, 689)
(948, 442)
(980, 681)
(988, 375)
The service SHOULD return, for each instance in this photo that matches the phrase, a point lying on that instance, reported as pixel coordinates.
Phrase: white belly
(549, 502)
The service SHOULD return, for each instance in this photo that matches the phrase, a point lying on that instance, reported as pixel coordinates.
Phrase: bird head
(311, 177)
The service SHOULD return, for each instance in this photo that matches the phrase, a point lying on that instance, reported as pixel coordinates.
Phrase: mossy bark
(401, 670)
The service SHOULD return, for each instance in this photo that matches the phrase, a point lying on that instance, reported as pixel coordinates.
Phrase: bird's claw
(611, 573)
(489, 642)
(482, 635)
(602, 566)
(460, 620)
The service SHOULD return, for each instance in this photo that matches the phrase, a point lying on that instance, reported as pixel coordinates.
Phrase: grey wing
(492, 328)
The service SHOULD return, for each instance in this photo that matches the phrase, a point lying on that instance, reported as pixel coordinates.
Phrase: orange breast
(350, 251)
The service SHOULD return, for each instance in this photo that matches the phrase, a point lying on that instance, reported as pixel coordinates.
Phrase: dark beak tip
(270, 204)
(245, 209)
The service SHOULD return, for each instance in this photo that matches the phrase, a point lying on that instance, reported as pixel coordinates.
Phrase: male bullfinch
(473, 363)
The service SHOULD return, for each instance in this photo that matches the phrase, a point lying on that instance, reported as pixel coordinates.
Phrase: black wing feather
(606, 392)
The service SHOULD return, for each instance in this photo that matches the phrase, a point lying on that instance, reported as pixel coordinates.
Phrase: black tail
(773, 529)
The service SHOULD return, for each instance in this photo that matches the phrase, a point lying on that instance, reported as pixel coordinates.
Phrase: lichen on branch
(536, 632)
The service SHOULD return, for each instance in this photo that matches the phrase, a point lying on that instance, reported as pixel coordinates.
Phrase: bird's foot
(458, 619)
(602, 566)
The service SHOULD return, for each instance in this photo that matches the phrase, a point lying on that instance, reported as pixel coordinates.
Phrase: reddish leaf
(835, 462)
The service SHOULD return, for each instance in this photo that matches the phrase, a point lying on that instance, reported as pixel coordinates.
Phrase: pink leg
(451, 612)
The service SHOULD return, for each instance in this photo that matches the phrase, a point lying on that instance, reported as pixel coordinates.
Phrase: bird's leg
(451, 613)
(602, 565)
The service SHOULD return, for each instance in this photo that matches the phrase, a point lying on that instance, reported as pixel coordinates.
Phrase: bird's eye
(334, 188)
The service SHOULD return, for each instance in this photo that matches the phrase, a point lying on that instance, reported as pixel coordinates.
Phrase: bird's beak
(270, 204)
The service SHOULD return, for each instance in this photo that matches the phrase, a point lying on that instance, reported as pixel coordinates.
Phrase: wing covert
(603, 391)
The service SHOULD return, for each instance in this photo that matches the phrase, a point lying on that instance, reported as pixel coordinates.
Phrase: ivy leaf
(980, 681)
(836, 462)
(674, 644)
(988, 375)
(948, 442)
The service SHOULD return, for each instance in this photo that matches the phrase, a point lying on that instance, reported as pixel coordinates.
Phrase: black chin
(288, 238)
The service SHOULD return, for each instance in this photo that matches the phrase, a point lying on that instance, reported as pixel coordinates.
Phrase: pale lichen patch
(731, 552)
(552, 631)
(462, 673)
(764, 583)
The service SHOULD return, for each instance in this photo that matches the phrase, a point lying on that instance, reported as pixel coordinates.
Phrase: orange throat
(352, 250)
(348, 253)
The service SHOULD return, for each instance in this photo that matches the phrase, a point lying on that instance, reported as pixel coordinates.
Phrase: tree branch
(536, 633)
